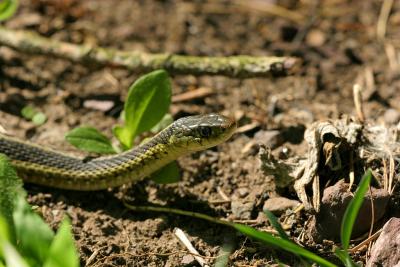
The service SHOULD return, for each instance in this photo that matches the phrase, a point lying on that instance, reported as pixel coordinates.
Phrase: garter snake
(47, 167)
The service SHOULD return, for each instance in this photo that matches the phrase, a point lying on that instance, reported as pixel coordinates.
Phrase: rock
(391, 116)
(278, 205)
(242, 210)
(188, 260)
(386, 250)
(272, 138)
(242, 191)
(326, 224)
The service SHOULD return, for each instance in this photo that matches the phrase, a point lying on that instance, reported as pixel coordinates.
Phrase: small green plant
(346, 228)
(145, 110)
(7, 9)
(25, 239)
(30, 113)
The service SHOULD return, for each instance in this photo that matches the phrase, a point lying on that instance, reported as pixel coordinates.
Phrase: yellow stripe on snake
(43, 166)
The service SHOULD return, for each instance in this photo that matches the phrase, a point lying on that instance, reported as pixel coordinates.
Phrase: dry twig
(383, 19)
(358, 102)
(270, 9)
(186, 242)
(194, 94)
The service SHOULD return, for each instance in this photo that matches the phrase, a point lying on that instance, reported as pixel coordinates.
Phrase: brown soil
(336, 41)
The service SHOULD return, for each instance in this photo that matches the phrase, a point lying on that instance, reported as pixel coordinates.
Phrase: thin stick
(222, 194)
(351, 172)
(391, 173)
(247, 127)
(270, 9)
(383, 18)
(186, 242)
(194, 94)
(358, 102)
(234, 66)
(365, 242)
(393, 57)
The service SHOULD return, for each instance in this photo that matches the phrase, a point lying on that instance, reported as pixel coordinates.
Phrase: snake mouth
(229, 127)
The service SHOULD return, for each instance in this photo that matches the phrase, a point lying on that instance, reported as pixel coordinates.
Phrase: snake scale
(40, 165)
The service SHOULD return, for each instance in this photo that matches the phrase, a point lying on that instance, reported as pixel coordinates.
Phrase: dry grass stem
(185, 241)
(358, 102)
(383, 19)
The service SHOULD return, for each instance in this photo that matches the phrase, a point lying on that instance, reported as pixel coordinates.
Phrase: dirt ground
(336, 41)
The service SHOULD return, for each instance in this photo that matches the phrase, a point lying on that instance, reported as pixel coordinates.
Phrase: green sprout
(7, 9)
(32, 114)
(25, 239)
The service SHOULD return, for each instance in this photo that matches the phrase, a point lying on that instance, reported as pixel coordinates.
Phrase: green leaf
(28, 112)
(10, 190)
(4, 230)
(274, 222)
(163, 123)
(167, 175)
(11, 256)
(62, 250)
(351, 212)
(33, 234)
(282, 244)
(90, 139)
(148, 100)
(7, 8)
(39, 118)
(4, 236)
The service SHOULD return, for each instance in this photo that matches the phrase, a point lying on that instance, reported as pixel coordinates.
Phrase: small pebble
(243, 191)
(242, 210)
(188, 260)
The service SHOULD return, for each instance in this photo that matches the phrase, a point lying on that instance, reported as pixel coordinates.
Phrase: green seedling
(7, 9)
(30, 113)
(25, 239)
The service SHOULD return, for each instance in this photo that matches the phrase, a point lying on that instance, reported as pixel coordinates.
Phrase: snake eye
(205, 131)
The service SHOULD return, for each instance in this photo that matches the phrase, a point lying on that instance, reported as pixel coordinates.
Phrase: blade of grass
(345, 258)
(274, 222)
(351, 212)
(282, 243)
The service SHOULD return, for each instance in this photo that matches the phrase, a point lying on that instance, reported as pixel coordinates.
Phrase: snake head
(199, 132)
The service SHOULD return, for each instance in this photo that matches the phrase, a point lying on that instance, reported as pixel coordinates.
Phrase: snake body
(40, 165)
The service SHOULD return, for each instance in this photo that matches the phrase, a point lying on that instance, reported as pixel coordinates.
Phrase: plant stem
(232, 66)
(178, 212)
